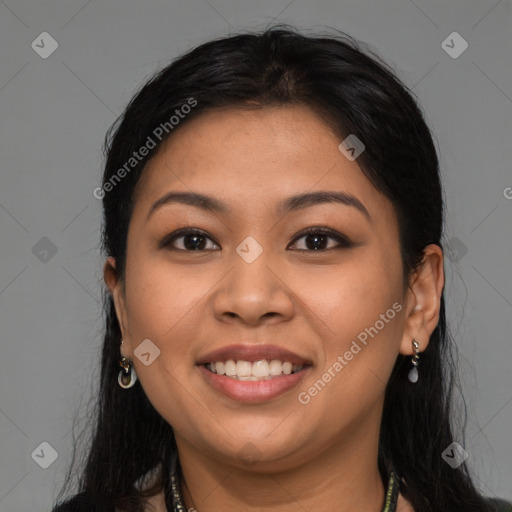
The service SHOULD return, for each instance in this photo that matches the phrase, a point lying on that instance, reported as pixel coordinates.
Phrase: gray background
(54, 113)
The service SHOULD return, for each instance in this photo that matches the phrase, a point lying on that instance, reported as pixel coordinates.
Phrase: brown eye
(192, 240)
(316, 239)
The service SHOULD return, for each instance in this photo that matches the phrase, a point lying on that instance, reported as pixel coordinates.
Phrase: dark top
(81, 503)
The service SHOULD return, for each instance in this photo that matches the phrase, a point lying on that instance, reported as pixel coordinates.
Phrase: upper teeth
(247, 369)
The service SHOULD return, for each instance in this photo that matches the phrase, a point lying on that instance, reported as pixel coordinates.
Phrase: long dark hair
(355, 93)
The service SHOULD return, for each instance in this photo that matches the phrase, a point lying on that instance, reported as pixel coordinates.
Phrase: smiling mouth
(264, 369)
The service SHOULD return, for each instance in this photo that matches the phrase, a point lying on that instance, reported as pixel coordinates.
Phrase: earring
(415, 359)
(127, 376)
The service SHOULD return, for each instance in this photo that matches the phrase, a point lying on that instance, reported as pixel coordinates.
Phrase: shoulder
(78, 503)
(499, 505)
(82, 501)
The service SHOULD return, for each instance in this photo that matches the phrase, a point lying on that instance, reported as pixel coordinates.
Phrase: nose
(254, 293)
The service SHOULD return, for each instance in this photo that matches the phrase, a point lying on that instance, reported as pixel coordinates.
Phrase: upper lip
(247, 352)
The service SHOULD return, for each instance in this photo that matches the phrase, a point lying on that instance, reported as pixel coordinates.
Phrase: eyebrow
(288, 205)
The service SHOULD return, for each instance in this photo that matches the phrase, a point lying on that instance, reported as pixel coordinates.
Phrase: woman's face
(252, 284)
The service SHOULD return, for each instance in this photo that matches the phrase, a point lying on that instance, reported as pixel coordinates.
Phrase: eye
(193, 240)
(316, 238)
(196, 240)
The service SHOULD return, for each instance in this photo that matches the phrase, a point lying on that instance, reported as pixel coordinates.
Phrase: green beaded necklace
(179, 506)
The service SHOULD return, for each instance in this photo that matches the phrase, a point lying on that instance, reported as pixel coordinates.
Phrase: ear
(116, 288)
(423, 300)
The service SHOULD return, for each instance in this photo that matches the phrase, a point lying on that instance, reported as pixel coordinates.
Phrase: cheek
(158, 293)
(361, 306)
(355, 294)
(160, 305)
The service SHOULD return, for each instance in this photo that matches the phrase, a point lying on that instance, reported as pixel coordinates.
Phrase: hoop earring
(127, 376)
(415, 359)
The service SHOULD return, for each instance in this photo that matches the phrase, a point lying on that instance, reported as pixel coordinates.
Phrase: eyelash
(342, 240)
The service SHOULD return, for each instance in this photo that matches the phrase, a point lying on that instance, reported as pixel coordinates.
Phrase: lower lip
(252, 391)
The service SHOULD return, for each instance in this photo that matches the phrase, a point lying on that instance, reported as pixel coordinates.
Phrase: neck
(343, 477)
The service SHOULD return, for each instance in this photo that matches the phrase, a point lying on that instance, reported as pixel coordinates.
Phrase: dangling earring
(127, 376)
(415, 359)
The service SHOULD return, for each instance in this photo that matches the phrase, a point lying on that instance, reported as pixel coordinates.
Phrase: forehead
(255, 158)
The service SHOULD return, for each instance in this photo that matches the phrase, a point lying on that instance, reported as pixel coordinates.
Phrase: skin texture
(321, 455)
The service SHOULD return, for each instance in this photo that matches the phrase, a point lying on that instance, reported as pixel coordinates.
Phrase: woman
(273, 219)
